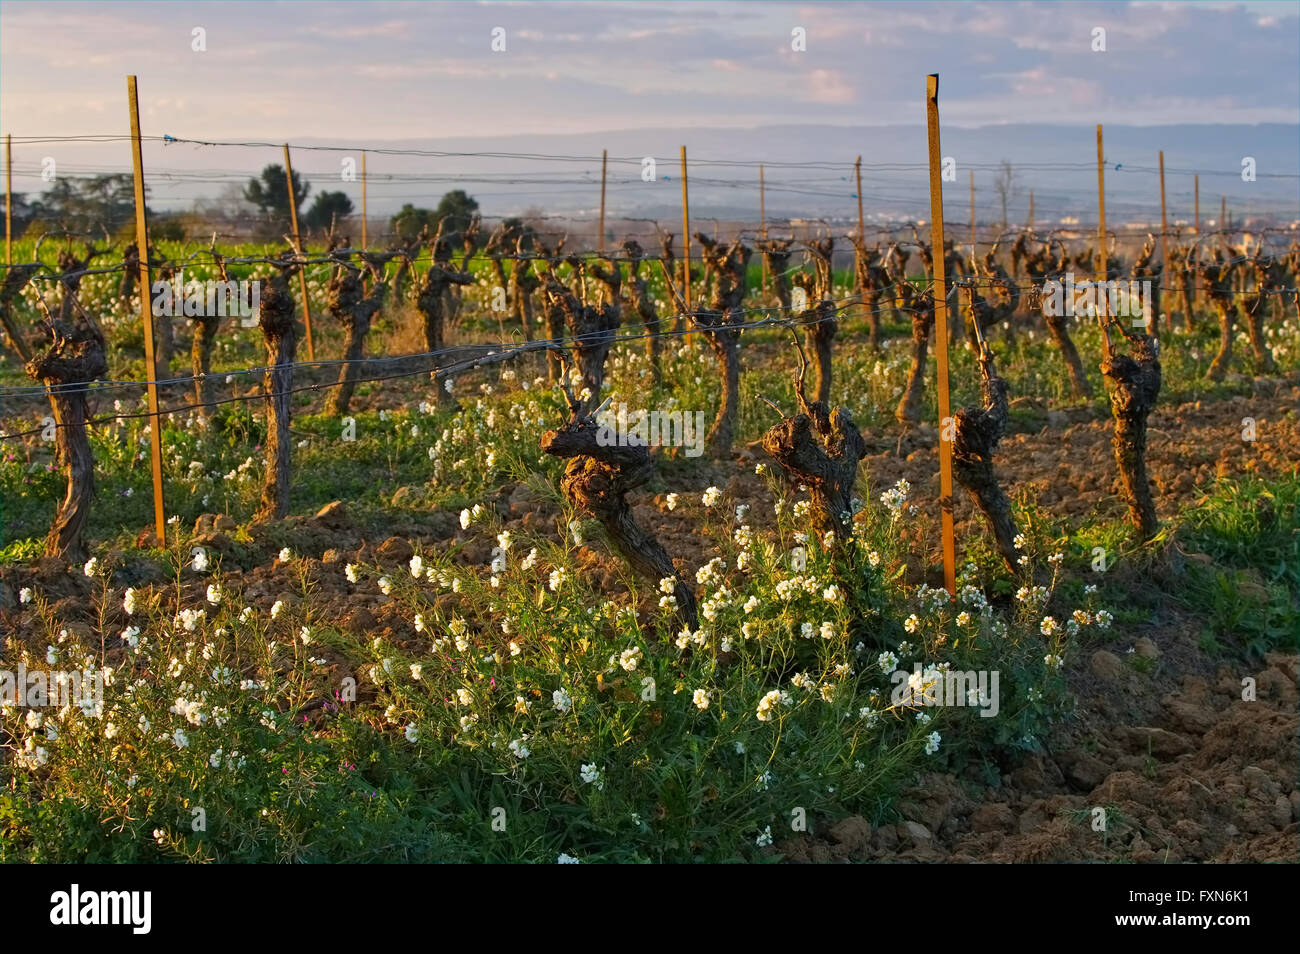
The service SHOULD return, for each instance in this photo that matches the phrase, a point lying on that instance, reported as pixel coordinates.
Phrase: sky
(369, 73)
(414, 70)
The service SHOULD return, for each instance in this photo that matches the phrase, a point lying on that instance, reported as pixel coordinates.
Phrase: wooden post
(365, 243)
(947, 428)
(1164, 219)
(1196, 186)
(972, 212)
(1223, 214)
(297, 247)
(857, 171)
(762, 222)
(1030, 223)
(686, 246)
(9, 200)
(604, 158)
(146, 316)
(1102, 257)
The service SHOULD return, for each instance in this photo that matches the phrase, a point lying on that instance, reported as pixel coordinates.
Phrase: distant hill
(1058, 162)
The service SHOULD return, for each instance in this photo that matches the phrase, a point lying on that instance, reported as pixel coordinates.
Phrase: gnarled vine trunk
(73, 358)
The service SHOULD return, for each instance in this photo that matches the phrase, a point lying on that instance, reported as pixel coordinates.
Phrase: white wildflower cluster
(593, 775)
(711, 574)
(895, 499)
(711, 497)
(790, 588)
(469, 516)
(768, 705)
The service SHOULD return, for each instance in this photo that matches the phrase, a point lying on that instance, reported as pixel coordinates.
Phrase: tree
(1005, 186)
(328, 207)
(455, 211)
(87, 204)
(270, 193)
(409, 221)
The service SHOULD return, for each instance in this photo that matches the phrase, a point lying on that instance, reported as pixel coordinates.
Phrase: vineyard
(425, 591)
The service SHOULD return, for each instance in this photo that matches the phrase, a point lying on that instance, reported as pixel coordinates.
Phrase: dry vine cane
(431, 300)
(73, 358)
(592, 329)
(1134, 383)
(776, 255)
(354, 308)
(597, 479)
(721, 326)
(276, 319)
(1270, 279)
(820, 449)
(1058, 328)
(921, 307)
(820, 320)
(873, 282)
(977, 431)
(637, 291)
(1219, 285)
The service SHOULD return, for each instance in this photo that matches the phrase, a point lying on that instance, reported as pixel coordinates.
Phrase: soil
(1184, 768)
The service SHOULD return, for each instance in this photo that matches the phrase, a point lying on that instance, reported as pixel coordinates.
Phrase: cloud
(829, 86)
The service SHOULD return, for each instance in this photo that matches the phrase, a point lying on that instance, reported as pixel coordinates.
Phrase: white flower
(504, 539)
(464, 697)
(214, 594)
(465, 518)
(1020, 542)
(529, 561)
(887, 661)
(563, 859)
(828, 630)
(932, 743)
(92, 567)
(180, 739)
(128, 600)
(911, 624)
(25, 596)
(806, 630)
(832, 594)
(351, 573)
(200, 562)
(286, 555)
(764, 837)
(1052, 661)
(629, 658)
(1102, 619)
(557, 579)
(385, 585)
(1049, 626)
(277, 608)
(768, 704)
(711, 496)
(561, 700)
(412, 733)
(671, 501)
(518, 749)
(417, 566)
(592, 775)
(701, 699)
(751, 604)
